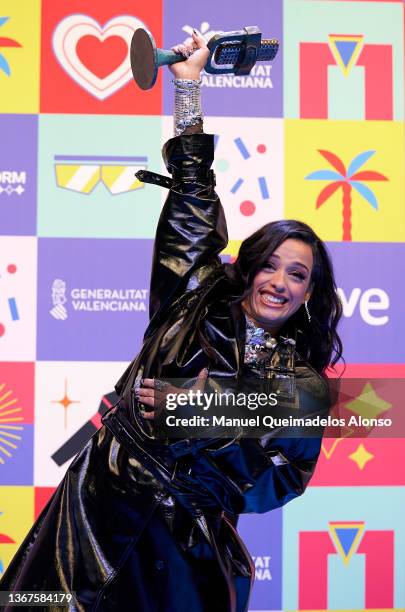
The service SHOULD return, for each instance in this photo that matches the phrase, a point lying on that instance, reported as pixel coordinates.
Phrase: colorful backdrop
(317, 135)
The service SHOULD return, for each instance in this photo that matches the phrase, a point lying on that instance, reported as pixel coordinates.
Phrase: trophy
(230, 52)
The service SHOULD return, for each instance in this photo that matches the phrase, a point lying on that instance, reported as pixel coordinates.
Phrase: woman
(145, 524)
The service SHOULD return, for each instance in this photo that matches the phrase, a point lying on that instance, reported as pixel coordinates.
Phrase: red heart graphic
(101, 57)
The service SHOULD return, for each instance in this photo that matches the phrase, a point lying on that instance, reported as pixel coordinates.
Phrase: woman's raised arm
(192, 229)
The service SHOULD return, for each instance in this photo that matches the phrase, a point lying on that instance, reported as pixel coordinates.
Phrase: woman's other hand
(153, 393)
(199, 53)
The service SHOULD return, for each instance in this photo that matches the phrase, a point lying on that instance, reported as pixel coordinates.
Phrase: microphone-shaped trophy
(230, 52)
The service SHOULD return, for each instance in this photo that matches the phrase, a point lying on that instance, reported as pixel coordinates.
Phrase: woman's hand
(154, 393)
(190, 68)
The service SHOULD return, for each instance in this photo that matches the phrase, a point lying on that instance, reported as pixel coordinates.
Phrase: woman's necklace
(259, 343)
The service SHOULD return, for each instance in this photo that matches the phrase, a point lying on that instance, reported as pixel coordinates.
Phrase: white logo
(262, 567)
(259, 77)
(59, 299)
(96, 300)
(204, 30)
(113, 300)
(66, 37)
(369, 300)
(10, 178)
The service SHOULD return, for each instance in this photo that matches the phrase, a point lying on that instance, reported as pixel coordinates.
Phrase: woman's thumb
(201, 378)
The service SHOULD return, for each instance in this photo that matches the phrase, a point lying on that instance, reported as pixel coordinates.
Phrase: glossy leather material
(149, 526)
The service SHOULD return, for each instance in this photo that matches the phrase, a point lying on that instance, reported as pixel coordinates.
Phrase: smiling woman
(290, 286)
(282, 286)
(147, 522)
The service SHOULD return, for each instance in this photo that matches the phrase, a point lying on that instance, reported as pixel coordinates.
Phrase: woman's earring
(307, 311)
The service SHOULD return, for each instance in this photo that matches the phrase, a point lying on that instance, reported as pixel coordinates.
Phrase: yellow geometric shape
(345, 432)
(346, 139)
(232, 248)
(6, 445)
(368, 404)
(361, 456)
(8, 439)
(20, 90)
(6, 394)
(77, 177)
(328, 453)
(65, 173)
(346, 546)
(346, 49)
(16, 518)
(5, 404)
(121, 179)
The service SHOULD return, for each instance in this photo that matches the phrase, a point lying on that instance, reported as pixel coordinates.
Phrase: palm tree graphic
(347, 180)
(6, 42)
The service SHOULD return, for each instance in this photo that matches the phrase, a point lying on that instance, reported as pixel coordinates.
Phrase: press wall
(316, 135)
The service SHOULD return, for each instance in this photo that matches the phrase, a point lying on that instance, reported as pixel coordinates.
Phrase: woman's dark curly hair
(318, 343)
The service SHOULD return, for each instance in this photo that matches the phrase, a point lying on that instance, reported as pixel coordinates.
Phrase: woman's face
(281, 286)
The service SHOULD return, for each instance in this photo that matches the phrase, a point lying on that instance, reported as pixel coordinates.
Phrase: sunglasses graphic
(81, 173)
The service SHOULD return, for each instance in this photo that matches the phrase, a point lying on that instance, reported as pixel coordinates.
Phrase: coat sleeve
(290, 466)
(258, 475)
(192, 229)
(246, 478)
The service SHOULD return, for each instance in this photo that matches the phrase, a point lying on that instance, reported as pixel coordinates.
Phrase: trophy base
(144, 62)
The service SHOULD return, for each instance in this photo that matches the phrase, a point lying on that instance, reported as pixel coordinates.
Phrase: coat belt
(185, 174)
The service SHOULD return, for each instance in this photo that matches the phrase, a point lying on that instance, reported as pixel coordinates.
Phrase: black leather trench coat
(141, 525)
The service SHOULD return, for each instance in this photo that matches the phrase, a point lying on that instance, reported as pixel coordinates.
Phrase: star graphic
(361, 456)
(66, 402)
(368, 404)
(328, 451)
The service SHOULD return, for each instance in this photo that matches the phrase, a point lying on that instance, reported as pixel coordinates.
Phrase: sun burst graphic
(10, 415)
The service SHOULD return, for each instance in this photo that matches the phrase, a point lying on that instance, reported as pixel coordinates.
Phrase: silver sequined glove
(187, 104)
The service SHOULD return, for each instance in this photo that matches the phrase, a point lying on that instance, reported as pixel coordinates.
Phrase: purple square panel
(369, 277)
(256, 95)
(18, 465)
(18, 174)
(262, 534)
(92, 298)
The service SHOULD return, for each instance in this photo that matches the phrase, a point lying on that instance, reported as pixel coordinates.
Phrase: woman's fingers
(201, 379)
(150, 395)
(160, 387)
(149, 416)
(196, 52)
(153, 392)
(148, 382)
(146, 395)
(185, 49)
(190, 44)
